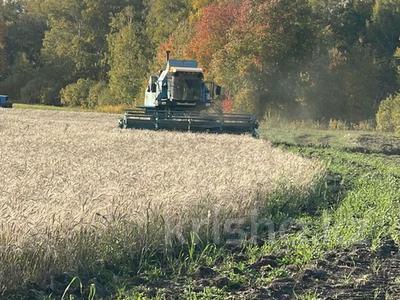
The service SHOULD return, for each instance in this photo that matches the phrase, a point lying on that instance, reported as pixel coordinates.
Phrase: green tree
(22, 45)
(127, 56)
(24, 30)
(349, 71)
(69, 40)
(3, 53)
(388, 116)
(77, 94)
(78, 31)
(384, 29)
(41, 89)
(163, 18)
(99, 94)
(25, 35)
(397, 59)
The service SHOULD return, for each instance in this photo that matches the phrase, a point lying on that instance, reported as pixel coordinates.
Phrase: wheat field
(76, 191)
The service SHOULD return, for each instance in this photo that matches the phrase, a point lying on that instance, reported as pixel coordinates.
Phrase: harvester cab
(180, 86)
(178, 98)
(5, 102)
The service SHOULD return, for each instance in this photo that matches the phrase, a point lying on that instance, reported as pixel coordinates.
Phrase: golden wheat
(75, 189)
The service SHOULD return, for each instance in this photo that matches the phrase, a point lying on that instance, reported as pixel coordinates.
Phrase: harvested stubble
(76, 191)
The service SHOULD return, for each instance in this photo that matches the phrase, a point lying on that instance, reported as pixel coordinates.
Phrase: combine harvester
(178, 98)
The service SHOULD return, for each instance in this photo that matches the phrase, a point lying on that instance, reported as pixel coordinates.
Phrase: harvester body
(180, 86)
(5, 102)
(177, 99)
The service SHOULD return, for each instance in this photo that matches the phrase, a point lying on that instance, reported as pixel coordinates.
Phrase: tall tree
(266, 47)
(350, 72)
(163, 18)
(384, 28)
(397, 59)
(3, 53)
(127, 56)
(211, 30)
(22, 44)
(69, 39)
(78, 30)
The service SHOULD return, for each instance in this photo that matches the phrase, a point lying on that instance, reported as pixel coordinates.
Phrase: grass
(349, 140)
(366, 212)
(79, 195)
(44, 107)
(112, 109)
(371, 182)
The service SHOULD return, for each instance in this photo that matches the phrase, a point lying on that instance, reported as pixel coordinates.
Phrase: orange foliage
(227, 105)
(163, 48)
(212, 30)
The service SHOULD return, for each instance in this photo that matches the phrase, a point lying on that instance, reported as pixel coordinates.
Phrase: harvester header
(178, 98)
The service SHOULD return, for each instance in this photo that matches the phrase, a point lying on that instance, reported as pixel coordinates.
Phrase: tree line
(317, 59)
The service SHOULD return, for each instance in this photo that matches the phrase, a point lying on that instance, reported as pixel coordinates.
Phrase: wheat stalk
(75, 190)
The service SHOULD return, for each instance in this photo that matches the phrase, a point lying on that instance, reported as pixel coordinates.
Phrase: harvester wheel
(123, 124)
(256, 133)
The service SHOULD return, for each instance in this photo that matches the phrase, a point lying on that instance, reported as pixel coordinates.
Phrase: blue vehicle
(178, 99)
(4, 102)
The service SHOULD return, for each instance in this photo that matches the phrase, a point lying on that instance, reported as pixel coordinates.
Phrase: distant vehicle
(4, 102)
(177, 99)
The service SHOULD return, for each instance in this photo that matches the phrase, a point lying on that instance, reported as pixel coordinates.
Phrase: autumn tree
(212, 31)
(265, 48)
(301, 58)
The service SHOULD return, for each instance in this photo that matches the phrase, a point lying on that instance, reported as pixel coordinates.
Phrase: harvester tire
(256, 133)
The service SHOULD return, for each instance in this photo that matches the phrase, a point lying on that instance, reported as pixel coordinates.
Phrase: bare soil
(356, 273)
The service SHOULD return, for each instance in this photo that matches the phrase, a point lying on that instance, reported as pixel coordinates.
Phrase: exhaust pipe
(168, 55)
